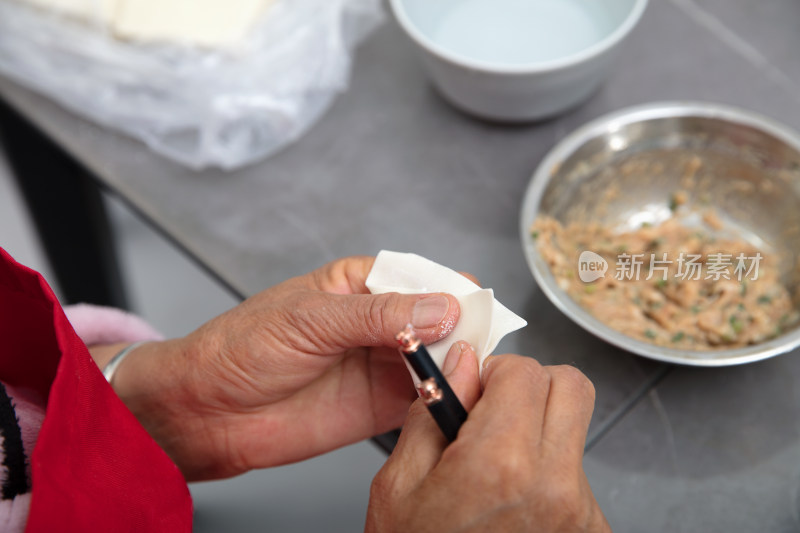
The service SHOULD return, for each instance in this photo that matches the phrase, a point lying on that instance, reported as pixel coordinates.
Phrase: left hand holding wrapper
(298, 370)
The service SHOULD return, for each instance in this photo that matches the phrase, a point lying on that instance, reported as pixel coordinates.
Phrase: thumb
(374, 320)
(421, 442)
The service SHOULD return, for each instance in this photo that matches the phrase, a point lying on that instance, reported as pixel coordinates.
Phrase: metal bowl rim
(609, 123)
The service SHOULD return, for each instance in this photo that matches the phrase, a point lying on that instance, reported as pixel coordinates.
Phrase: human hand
(297, 370)
(516, 464)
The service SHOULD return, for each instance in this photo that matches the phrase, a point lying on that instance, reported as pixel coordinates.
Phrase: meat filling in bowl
(671, 284)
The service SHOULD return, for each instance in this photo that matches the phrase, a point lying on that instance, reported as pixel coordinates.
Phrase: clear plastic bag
(198, 107)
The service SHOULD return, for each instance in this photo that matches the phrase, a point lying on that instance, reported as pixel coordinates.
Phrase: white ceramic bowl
(517, 60)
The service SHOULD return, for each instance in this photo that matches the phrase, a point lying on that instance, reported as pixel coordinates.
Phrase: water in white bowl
(517, 32)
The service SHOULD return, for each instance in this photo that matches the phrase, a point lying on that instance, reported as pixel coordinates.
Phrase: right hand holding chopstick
(515, 466)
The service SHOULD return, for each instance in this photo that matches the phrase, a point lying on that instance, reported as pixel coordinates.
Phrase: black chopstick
(434, 390)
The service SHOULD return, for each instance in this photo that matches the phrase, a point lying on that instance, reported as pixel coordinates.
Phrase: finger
(470, 277)
(343, 276)
(569, 411)
(348, 321)
(460, 369)
(421, 442)
(349, 276)
(515, 392)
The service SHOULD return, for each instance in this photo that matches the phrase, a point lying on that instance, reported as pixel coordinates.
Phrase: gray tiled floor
(328, 493)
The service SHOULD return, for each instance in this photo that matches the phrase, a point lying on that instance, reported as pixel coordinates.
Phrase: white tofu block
(208, 23)
(98, 12)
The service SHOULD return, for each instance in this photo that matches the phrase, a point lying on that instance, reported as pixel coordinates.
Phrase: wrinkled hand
(299, 369)
(515, 466)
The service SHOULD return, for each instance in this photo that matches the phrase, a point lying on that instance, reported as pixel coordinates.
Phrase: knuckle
(386, 485)
(470, 276)
(576, 381)
(519, 375)
(293, 314)
(532, 372)
(315, 318)
(381, 484)
(331, 274)
(457, 453)
(511, 471)
(388, 501)
(567, 502)
(417, 409)
(507, 473)
(520, 368)
(375, 314)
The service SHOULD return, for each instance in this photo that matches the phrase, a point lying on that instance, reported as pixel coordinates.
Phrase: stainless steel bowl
(751, 175)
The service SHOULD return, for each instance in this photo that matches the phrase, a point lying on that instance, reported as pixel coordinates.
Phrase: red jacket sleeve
(94, 467)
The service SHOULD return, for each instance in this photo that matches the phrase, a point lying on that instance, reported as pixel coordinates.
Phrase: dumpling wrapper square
(484, 320)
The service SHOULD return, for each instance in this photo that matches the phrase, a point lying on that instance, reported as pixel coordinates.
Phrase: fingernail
(429, 311)
(485, 367)
(452, 359)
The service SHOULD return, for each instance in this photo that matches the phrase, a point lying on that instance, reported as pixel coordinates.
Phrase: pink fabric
(95, 325)
(29, 407)
(106, 325)
(14, 513)
(94, 467)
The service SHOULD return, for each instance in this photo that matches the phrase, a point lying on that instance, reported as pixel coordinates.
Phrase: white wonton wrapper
(484, 320)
